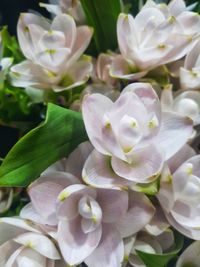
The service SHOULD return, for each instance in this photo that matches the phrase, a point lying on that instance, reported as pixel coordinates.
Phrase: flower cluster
(135, 183)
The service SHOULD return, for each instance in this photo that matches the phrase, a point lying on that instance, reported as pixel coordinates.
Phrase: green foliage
(61, 132)
(161, 260)
(10, 46)
(102, 16)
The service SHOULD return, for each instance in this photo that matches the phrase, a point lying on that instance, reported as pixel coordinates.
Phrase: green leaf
(155, 260)
(61, 132)
(102, 16)
(10, 46)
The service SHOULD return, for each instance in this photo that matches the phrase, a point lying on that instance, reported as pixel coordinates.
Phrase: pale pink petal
(43, 197)
(68, 200)
(174, 133)
(29, 213)
(176, 7)
(158, 224)
(7, 249)
(97, 172)
(192, 57)
(114, 204)
(190, 79)
(167, 98)
(10, 227)
(76, 160)
(74, 244)
(140, 211)
(84, 35)
(145, 165)
(110, 251)
(93, 108)
(77, 74)
(103, 61)
(54, 9)
(126, 33)
(122, 69)
(13, 257)
(24, 37)
(181, 156)
(40, 243)
(31, 258)
(52, 59)
(190, 22)
(66, 24)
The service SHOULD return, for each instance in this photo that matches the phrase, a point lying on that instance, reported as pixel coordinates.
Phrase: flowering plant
(110, 175)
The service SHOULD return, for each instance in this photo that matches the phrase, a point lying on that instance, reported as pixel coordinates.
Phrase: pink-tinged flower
(23, 244)
(71, 7)
(132, 136)
(92, 223)
(159, 34)
(148, 244)
(186, 103)
(179, 194)
(6, 198)
(190, 73)
(53, 53)
(45, 190)
(190, 256)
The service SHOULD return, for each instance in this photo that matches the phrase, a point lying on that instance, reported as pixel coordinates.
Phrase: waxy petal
(74, 244)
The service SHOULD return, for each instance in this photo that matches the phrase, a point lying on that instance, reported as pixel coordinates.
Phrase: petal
(7, 249)
(110, 251)
(43, 197)
(180, 157)
(39, 243)
(97, 172)
(29, 213)
(12, 226)
(174, 133)
(145, 165)
(77, 158)
(140, 212)
(65, 24)
(190, 256)
(126, 33)
(74, 244)
(24, 37)
(68, 200)
(93, 108)
(158, 224)
(176, 7)
(76, 75)
(29, 257)
(84, 35)
(167, 99)
(192, 57)
(53, 59)
(114, 204)
(190, 79)
(122, 69)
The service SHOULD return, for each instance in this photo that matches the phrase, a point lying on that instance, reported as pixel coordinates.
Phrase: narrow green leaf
(160, 260)
(102, 16)
(61, 132)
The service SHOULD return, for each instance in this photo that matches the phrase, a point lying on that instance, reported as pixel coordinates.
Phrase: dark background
(9, 14)
(10, 10)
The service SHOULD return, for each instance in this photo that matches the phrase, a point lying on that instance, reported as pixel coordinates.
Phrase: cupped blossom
(144, 242)
(92, 223)
(53, 53)
(158, 35)
(132, 136)
(190, 72)
(190, 257)
(186, 103)
(179, 194)
(45, 190)
(22, 244)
